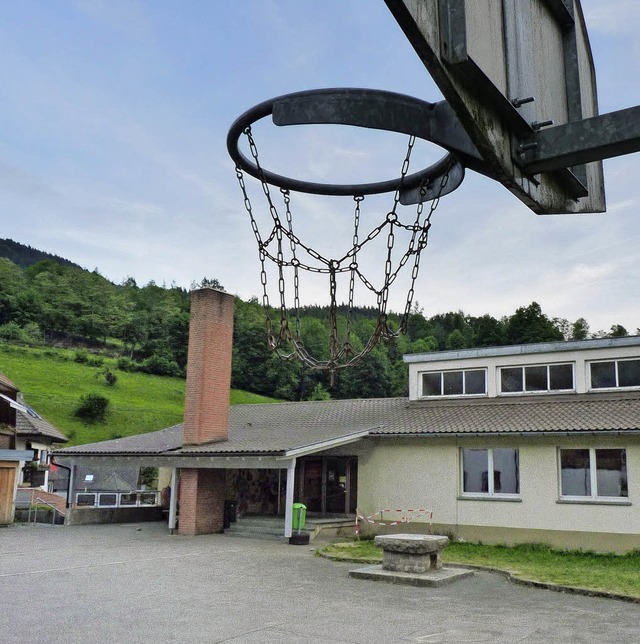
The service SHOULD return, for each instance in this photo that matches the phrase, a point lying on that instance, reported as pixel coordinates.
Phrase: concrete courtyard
(136, 583)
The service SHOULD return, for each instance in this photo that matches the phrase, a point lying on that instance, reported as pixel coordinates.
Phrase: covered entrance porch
(263, 486)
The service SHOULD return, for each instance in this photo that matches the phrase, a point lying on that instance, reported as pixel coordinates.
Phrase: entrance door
(312, 484)
(328, 484)
(7, 486)
(336, 488)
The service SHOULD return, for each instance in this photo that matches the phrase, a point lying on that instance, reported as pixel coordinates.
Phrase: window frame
(617, 386)
(442, 372)
(491, 494)
(594, 497)
(536, 392)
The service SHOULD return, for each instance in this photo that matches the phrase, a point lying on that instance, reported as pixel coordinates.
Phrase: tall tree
(618, 331)
(529, 324)
(580, 329)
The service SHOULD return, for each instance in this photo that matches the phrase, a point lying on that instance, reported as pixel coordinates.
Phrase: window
(107, 499)
(615, 373)
(593, 473)
(490, 472)
(468, 382)
(537, 378)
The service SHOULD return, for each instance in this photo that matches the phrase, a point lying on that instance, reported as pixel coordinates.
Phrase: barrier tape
(370, 519)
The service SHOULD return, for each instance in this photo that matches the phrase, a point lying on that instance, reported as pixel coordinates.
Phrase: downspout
(64, 467)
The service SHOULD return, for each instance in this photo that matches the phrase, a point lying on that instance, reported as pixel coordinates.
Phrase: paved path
(135, 583)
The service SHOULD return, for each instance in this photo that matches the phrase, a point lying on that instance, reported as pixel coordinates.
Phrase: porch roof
(292, 429)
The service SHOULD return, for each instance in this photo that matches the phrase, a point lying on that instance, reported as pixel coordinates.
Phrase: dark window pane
(603, 374)
(475, 382)
(452, 383)
(108, 499)
(629, 373)
(431, 384)
(535, 378)
(560, 376)
(611, 472)
(576, 478)
(511, 379)
(475, 463)
(86, 499)
(506, 471)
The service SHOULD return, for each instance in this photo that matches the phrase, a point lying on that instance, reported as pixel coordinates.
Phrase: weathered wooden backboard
(509, 69)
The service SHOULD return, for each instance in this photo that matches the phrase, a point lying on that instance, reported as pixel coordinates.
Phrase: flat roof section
(524, 349)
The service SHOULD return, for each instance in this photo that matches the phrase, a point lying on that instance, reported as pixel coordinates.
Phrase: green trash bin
(299, 516)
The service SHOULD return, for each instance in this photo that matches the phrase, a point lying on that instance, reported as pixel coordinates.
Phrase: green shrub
(127, 364)
(160, 366)
(92, 408)
(12, 332)
(81, 356)
(33, 334)
(95, 361)
(110, 377)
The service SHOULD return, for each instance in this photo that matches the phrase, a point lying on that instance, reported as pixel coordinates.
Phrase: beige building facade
(533, 443)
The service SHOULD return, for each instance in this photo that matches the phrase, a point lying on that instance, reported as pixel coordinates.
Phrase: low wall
(42, 516)
(87, 516)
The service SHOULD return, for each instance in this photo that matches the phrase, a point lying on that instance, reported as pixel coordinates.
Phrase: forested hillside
(145, 328)
(24, 256)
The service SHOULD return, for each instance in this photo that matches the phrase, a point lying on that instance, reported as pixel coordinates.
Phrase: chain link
(287, 343)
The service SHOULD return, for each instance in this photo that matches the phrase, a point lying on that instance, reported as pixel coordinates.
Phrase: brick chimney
(206, 409)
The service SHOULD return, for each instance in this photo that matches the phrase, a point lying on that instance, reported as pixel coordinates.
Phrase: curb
(522, 581)
(546, 585)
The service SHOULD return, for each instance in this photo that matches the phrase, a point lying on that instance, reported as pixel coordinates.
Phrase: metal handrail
(49, 505)
(119, 494)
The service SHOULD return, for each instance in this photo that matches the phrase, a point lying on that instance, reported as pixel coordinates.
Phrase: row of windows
(586, 473)
(530, 379)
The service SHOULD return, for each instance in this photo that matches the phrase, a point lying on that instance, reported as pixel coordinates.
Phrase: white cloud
(613, 17)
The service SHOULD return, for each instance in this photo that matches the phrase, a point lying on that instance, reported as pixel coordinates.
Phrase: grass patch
(52, 383)
(619, 574)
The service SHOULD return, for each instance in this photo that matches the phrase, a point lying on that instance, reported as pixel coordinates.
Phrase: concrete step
(270, 527)
(256, 527)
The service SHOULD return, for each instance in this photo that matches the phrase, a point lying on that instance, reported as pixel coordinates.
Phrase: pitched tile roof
(280, 427)
(36, 426)
(6, 383)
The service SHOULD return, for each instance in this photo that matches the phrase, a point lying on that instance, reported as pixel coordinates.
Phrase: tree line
(146, 328)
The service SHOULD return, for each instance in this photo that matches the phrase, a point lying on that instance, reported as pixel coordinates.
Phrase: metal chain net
(282, 247)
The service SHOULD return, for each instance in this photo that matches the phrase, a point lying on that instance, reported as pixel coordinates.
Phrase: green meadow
(52, 383)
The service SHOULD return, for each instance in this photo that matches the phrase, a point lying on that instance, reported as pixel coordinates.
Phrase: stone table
(415, 553)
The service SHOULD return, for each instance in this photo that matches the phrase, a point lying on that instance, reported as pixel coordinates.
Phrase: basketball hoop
(281, 245)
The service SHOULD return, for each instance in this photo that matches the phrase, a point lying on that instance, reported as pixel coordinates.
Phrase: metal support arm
(593, 139)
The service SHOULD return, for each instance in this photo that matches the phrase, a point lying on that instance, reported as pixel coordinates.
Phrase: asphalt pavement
(136, 583)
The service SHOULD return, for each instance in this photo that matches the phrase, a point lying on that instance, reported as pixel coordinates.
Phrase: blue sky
(113, 118)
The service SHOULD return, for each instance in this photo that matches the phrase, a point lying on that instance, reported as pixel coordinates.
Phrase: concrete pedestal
(411, 552)
(411, 559)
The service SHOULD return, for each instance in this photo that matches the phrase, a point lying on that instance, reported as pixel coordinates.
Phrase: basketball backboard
(511, 70)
